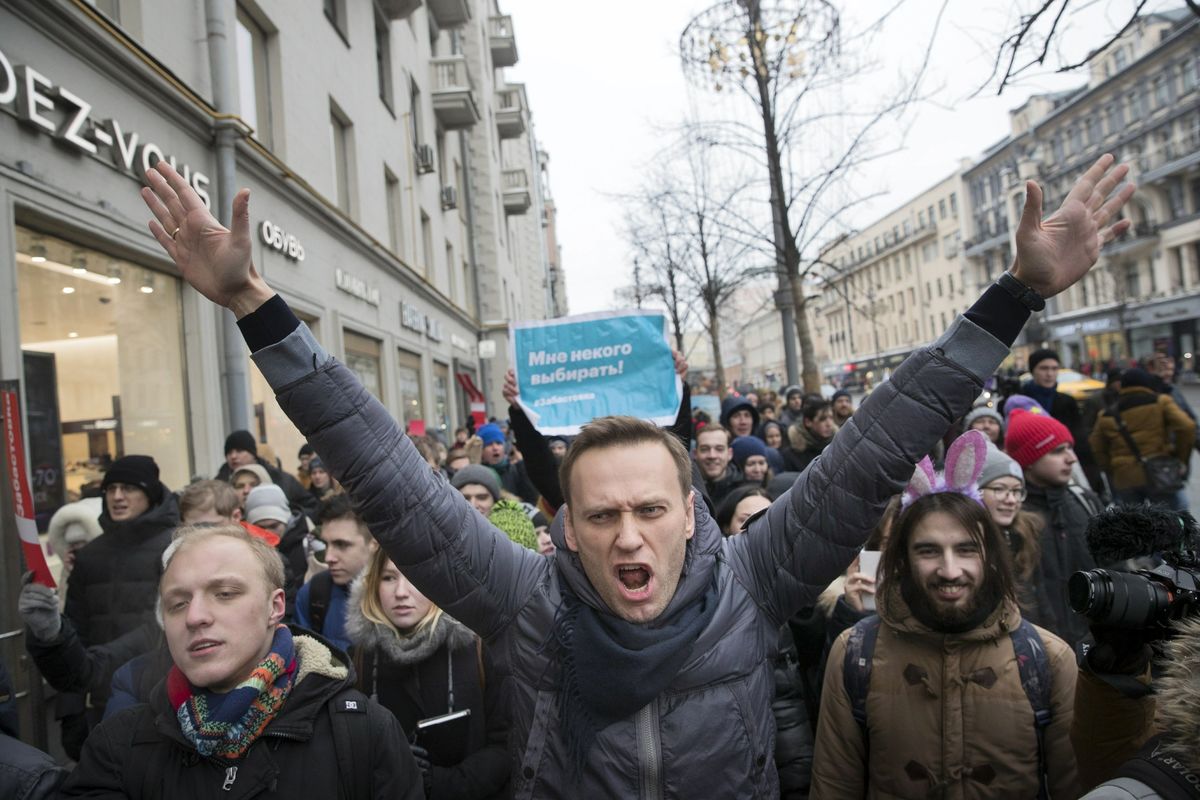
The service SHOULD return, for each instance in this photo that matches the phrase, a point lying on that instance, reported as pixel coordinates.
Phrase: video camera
(1156, 577)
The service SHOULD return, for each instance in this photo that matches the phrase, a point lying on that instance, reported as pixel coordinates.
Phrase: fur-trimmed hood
(391, 644)
(1179, 695)
(85, 513)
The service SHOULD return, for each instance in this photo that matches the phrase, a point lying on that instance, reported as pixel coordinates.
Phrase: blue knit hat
(491, 434)
(746, 446)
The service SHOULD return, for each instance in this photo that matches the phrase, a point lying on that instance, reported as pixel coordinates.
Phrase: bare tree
(787, 58)
(1037, 36)
(661, 246)
(719, 262)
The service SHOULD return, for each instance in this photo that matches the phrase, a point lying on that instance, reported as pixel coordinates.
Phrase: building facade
(891, 287)
(1141, 103)
(397, 204)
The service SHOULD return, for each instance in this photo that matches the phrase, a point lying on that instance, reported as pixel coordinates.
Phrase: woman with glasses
(420, 663)
(1002, 487)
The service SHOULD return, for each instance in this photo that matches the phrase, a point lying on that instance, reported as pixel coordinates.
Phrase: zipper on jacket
(649, 749)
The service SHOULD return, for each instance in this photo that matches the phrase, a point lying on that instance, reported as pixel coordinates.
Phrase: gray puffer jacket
(711, 732)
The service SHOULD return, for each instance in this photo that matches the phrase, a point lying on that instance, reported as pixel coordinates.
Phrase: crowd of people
(771, 603)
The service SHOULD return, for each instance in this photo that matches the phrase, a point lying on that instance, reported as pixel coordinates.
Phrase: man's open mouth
(203, 646)
(634, 580)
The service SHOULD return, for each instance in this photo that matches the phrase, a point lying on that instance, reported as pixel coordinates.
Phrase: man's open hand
(510, 388)
(1054, 253)
(212, 258)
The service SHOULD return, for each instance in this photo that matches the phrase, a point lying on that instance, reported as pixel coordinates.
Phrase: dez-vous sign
(58, 111)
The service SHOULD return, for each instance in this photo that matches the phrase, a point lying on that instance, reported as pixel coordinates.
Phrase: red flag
(14, 457)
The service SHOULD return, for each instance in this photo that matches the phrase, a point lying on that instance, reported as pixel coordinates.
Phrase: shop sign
(274, 237)
(61, 113)
(1085, 328)
(416, 320)
(459, 343)
(353, 285)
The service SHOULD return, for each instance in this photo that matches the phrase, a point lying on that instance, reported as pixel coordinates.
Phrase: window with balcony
(920, 219)
(1190, 72)
(929, 211)
(1120, 59)
(342, 151)
(414, 112)
(954, 204)
(254, 82)
(1163, 91)
(1095, 130)
(383, 59)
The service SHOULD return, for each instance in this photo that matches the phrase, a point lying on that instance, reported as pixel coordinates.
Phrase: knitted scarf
(610, 668)
(227, 724)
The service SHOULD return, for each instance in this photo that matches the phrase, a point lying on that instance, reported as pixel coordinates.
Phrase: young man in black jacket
(251, 704)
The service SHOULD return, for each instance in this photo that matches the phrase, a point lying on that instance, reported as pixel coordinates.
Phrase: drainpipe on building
(227, 129)
(465, 155)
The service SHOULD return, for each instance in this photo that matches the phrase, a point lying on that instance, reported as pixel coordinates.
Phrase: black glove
(1120, 654)
(421, 756)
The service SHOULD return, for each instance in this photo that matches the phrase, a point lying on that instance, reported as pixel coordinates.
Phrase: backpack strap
(856, 672)
(351, 742)
(1165, 774)
(320, 592)
(1034, 667)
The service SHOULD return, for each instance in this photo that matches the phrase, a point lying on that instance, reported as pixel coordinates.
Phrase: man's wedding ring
(174, 233)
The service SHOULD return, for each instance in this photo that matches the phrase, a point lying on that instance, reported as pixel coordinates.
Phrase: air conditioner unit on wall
(449, 198)
(424, 159)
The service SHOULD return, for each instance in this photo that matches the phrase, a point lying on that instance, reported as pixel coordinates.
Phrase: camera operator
(1131, 605)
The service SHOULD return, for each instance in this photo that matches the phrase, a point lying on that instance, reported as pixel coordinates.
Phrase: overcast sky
(604, 83)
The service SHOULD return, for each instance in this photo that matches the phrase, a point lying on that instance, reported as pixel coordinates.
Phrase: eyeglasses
(1000, 492)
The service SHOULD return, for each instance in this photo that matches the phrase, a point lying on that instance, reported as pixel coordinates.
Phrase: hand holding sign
(571, 370)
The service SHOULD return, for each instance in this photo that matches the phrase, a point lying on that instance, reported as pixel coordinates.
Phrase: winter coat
(515, 479)
(717, 490)
(1165, 722)
(412, 683)
(1157, 426)
(301, 500)
(114, 585)
(68, 666)
(947, 715)
(705, 735)
(1064, 512)
(27, 773)
(294, 757)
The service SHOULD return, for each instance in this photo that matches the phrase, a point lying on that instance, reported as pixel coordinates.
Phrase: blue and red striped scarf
(227, 724)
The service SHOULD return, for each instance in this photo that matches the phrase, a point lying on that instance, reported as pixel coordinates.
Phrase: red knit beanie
(1031, 435)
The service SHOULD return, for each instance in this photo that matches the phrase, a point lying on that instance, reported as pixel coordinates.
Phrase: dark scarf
(1044, 396)
(227, 724)
(611, 668)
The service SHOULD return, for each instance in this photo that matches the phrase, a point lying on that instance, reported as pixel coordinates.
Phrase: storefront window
(362, 357)
(102, 344)
(409, 372)
(441, 397)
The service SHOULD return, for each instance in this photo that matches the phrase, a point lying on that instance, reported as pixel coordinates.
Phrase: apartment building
(397, 203)
(892, 286)
(1142, 103)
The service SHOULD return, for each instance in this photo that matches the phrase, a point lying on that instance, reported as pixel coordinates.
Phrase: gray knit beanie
(478, 474)
(982, 411)
(999, 465)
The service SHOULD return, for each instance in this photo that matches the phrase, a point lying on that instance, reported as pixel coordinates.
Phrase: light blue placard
(573, 369)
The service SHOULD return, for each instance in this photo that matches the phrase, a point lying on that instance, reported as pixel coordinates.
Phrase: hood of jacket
(156, 519)
(394, 646)
(895, 613)
(699, 561)
(1179, 695)
(731, 404)
(85, 513)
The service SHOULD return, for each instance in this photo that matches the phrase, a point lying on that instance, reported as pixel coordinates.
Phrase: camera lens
(1118, 599)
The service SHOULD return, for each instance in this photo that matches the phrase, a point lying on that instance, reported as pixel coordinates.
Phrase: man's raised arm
(809, 535)
(468, 568)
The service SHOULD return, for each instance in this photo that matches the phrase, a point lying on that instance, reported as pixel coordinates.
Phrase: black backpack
(1032, 662)
(1165, 774)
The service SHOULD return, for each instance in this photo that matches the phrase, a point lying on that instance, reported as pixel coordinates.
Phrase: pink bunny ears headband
(964, 465)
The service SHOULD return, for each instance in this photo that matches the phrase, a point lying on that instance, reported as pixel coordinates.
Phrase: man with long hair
(942, 704)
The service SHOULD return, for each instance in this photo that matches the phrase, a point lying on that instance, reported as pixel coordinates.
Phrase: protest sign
(18, 479)
(573, 369)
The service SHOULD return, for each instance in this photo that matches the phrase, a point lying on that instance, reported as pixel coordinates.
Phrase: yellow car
(1075, 384)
